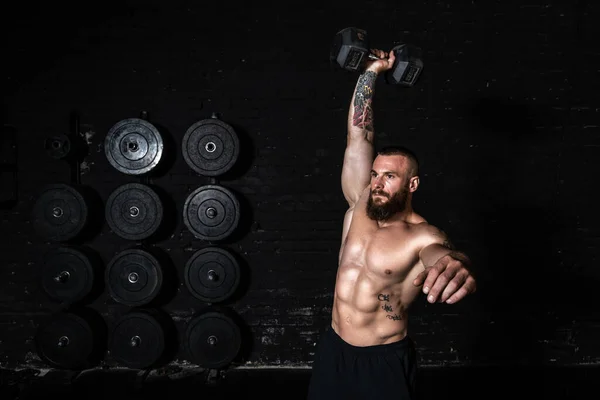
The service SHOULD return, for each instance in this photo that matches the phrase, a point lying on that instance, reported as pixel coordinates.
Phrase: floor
(289, 384)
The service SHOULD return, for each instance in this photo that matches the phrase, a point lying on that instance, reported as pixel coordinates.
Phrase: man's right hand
(385, 62)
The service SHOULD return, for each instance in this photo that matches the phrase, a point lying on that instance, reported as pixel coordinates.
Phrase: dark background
(504, 118)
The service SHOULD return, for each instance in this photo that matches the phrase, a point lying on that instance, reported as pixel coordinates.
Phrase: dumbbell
(351, 50)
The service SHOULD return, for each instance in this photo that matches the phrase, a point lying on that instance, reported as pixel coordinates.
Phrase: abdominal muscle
(368, 309)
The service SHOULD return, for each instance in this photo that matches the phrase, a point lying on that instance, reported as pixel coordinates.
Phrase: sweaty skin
(378, 260)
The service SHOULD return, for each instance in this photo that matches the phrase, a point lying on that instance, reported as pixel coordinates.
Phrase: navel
(388, 271)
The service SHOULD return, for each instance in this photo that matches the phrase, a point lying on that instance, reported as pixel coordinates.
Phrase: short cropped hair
(404, 151)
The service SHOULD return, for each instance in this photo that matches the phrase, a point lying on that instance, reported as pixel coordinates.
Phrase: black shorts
(343, 371)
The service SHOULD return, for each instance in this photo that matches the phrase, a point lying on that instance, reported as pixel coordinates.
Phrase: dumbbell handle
(375, 58)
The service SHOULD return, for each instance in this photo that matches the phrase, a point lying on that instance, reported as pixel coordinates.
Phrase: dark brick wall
(504, 118)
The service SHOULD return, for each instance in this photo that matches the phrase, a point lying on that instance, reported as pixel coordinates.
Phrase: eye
(390, 176)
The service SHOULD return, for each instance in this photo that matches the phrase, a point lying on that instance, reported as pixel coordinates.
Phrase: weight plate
(134, 277)
(212, 274)
(66, 341)
(57, 146)
(211, 212)
(137, 340)
(213, 340)
(133, 146)
(67, 274)
(210, 147)
(60, 212)
(134, 211)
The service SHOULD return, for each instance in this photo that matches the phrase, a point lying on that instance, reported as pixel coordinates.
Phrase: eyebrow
(385, 172)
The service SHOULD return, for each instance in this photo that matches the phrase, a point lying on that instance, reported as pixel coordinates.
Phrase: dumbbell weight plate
(407, 66)
(133, 146)
(350, 48)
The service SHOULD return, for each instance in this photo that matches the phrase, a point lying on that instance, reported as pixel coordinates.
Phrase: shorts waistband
(401, 344)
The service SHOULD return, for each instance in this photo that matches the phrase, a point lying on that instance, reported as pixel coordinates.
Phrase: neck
(403, 216)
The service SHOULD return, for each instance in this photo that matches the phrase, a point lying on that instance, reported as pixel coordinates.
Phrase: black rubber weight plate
(213, 340)
(134, 211)
(133, 146)
(67, 274)
(60, 212)
(138, 340)
(134, 277)
(212, 274)
(211, 212)
(210, 147)
(66, 341)
(58, 146)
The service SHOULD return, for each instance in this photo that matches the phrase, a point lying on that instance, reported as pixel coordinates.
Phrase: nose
(377, 183)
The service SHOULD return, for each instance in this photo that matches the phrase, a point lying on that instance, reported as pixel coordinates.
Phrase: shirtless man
(389, 254)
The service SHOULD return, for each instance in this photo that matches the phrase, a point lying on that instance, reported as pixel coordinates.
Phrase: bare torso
(374, 288)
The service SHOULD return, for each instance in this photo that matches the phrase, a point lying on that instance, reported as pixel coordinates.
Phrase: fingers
(468, 287)
(446, 281)
(452, 286)
(380, 53)
(438, 284)
(391, 57)
(383, 63)
(421, 277)
(432, 273)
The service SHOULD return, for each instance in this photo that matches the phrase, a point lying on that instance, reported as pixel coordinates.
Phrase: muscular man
(388, 255)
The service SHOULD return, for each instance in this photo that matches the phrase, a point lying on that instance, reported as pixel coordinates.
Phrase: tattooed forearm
(387, 307)
(363, 98)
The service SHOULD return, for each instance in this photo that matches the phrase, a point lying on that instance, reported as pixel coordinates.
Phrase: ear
(413, 184)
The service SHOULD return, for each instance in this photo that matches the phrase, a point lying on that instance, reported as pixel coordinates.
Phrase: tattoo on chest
(387, 307)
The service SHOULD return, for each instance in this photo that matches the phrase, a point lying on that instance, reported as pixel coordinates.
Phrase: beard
(395, 204)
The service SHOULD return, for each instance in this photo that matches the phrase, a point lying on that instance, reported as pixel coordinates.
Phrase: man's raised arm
(358, 155)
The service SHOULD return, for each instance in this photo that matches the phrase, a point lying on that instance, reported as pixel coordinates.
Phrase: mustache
(379, 192)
